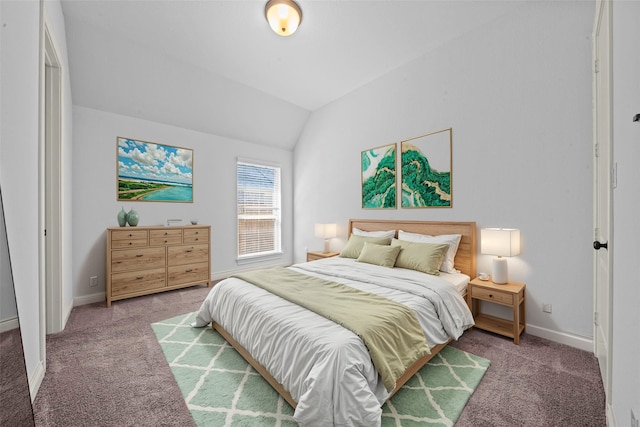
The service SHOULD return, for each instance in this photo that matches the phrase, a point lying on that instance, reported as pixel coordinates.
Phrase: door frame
(51, 308)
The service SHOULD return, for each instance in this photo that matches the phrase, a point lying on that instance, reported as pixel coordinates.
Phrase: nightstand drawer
(492, 295)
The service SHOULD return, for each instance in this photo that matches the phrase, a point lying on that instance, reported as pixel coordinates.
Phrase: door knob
(597, 245)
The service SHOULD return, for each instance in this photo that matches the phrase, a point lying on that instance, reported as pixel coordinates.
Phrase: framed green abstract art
(379, 177)
(426, 170)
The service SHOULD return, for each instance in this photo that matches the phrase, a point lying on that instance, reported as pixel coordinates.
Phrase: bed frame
(465, 261)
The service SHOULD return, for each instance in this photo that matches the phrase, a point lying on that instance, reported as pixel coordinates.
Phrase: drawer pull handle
(189, 270)
(189, 250)
(130, 243)
(139, 255)
(130, 235)
(139, 277)
(165, 233)
(490, 295)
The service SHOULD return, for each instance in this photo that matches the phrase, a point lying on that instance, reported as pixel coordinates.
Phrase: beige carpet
(107, 369)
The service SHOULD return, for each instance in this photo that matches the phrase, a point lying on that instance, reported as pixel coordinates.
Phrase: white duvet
(325, 367)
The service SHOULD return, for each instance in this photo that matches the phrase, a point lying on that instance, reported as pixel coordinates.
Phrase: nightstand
(312, 256)
(510, 294)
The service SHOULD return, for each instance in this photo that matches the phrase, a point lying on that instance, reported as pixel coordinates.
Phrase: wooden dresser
(146, 260)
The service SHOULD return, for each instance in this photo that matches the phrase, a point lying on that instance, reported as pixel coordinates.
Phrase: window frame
(277, 214)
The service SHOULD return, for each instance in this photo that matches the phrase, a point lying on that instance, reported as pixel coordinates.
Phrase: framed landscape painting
(151, 172)
(379, 177)
(426, 170)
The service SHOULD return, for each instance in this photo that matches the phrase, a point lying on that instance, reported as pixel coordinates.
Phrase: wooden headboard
(465, 260)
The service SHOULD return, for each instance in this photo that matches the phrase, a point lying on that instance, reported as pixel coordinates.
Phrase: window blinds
(259, 201)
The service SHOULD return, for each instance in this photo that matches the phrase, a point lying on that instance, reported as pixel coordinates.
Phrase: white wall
(8, 309)
(214, 184)
(20, 155)
(517, 94)
(626, 228)
(19, 172)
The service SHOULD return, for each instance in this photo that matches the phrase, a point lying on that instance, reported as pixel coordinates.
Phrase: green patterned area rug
(222, 389)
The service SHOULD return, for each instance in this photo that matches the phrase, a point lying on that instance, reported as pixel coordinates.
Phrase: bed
(320, 368)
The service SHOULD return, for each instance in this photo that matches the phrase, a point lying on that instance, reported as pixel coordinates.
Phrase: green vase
(122, 218)
(133, 218)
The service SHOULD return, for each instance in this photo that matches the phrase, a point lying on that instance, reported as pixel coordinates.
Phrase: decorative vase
(122, 218)
(132, 218)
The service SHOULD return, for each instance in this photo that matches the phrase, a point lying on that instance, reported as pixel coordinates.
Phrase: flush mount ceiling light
(284, 16)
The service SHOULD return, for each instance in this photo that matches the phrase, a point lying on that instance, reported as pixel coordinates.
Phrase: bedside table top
(323, 254)
(512, 287)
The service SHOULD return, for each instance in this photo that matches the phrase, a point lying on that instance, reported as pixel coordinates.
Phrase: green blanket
(390, 330)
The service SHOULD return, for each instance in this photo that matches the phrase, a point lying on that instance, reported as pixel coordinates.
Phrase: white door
(603, 174)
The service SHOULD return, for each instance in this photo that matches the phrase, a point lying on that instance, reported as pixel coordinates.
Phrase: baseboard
(66, 314)
(36, 380)
(611, 420)
(89, 299)
(576, 341)
(9, 325)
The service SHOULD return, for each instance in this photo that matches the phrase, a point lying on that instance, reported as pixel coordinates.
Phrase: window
(259, 215)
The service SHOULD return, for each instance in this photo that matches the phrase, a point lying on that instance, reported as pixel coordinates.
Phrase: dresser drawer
(137, 259)
(148, 259)
(131, 243)
(491, 295)
(188, 273)
(165, 237)
(136, 281)
(187, 254)
(128, 234)
(195, 235)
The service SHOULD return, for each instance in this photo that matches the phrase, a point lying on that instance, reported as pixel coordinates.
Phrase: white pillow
(390, 234)
(453, 240)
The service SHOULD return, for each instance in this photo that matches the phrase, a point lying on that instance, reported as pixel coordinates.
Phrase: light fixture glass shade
(284, 16)
(502, 242)
(325, 231)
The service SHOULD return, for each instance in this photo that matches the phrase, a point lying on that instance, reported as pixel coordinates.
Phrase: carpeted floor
(107, 369)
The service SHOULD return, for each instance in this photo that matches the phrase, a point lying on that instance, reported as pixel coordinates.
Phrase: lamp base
(327, 246)
(499, 271)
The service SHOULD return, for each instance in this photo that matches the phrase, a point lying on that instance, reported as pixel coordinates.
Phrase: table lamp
(325, 231)
(502, 242)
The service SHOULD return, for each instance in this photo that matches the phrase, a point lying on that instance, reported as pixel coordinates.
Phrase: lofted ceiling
(215, 66)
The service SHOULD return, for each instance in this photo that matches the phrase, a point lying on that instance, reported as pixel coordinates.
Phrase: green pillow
(356, 243)
(425, 257)
(382, 255)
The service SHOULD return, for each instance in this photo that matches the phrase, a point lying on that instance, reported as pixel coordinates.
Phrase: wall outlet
(93, 281)
(546, 308)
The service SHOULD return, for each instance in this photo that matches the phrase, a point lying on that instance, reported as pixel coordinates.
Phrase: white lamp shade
(326, 231)
(500, 241)
(284, 16)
